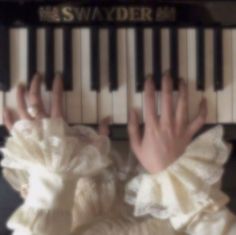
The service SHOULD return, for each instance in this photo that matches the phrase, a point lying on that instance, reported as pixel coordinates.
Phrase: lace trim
(186, 186)
(48, 155)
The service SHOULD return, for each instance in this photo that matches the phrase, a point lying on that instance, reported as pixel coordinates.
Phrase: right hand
(167, 136)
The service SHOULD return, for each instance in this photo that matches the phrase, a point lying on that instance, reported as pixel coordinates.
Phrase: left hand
(34, 98)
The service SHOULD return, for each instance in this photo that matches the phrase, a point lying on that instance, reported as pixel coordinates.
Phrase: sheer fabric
(74, 183)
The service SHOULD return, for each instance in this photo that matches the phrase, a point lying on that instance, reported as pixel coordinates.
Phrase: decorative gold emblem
(73, 14)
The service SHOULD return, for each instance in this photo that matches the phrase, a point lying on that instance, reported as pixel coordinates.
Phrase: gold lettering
(146, 14)
(83, 14)
(70, 13)
(67, 14)
(42, 14)
(165, 14)
(135, 14)
(49, 14)
(122, 14)
(55, 15)
(97, 14)
(110, 13)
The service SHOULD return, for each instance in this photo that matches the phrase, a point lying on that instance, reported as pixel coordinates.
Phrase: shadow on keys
(9, 201)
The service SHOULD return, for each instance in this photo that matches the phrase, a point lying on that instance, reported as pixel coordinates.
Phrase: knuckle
(202, 119)
(183, 94)
(132, 128)
(34, 95)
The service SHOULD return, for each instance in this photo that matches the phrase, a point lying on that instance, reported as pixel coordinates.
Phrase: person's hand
(33, 98)
(165, 137)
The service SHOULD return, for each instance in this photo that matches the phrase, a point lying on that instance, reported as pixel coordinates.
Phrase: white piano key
(165, 57)
(58, 50)
(18, 63)
(183, 54)
(166, 60)
(148, 63)
(209, 92)
(105, 96)
(1, 107)
(225, 96)
(148, 50)
(234, 73)
(73, 98)
(120, 96)
(41, 67)
(194, 96)
(135, 99)
(58, 57)
(89, 97)
(165, 49)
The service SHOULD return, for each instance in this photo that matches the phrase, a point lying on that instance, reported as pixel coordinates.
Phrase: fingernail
(149, 76)
(4, 113)
(108, 120)
(131, 113)
(58, 75)
(21, 84)
(167, 74)
(204, 99)
(39, 76)
(21, 87)
(182, 83)
(204, 103)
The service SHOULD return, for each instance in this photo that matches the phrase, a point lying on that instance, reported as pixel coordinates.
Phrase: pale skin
(165, 137)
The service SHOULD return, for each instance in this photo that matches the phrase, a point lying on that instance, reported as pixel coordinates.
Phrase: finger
(149, 101)
(182, 107)
(167, 100)
(34, 94)
(134, 132)
(104, 126)
(21, 103)
(57, 97)
(8, 119)
(200, 119)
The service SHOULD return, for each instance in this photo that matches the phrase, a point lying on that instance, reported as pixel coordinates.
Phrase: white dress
(77, 185)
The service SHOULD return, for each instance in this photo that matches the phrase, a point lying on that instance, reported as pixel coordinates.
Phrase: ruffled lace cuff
(51, 156)
(187, 186)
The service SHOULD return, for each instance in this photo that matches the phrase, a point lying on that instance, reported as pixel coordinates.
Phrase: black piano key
(218, 58)
(67, 60)
(95, 61)
(139, 60)
(174, 57)
(4, 134)
(200, 47)
(113, 53)
(157, 57)
(49, 60)
(4, 59)
(31, 63)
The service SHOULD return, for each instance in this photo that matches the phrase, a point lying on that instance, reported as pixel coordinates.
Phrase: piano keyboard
(104, 68)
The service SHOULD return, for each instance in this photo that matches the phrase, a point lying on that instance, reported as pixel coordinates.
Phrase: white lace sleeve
(188, 186)
(50, 156)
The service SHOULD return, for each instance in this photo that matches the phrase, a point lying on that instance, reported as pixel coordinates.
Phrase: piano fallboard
(119, 13)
